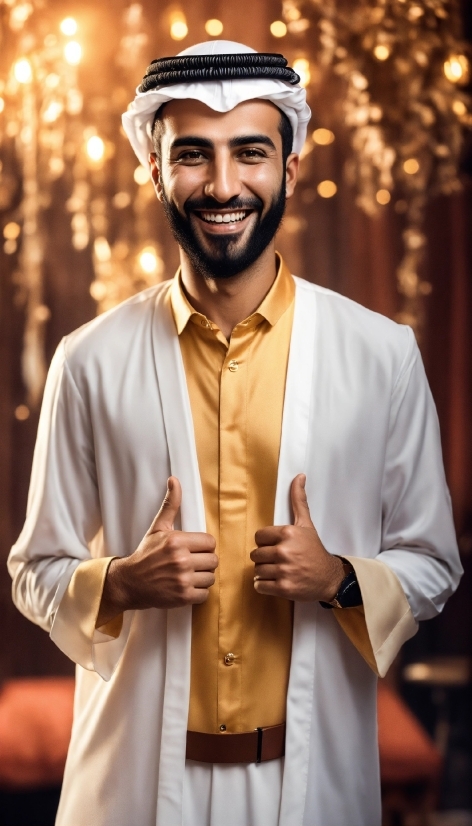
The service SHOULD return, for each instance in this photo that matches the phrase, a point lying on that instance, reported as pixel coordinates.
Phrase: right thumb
(164, 521)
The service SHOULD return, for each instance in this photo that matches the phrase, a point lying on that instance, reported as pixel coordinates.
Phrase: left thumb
(301, 511)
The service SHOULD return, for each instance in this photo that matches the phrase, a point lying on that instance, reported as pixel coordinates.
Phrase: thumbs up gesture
(168, 569)
(290, 560)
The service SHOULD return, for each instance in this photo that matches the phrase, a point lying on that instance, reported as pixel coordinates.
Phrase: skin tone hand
(168, 569)
(290, 560)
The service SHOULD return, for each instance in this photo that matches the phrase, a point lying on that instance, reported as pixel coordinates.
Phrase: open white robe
(116, 421)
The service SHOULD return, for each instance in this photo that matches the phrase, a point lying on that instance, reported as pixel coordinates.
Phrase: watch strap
(349, 594)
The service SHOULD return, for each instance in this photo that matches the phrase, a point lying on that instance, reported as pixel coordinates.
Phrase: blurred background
(382, 214)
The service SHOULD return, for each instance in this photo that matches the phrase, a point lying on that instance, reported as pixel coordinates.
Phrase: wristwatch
(349, 594)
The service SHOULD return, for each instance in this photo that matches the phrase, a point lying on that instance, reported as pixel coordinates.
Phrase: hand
(290, 560)
(168, 569)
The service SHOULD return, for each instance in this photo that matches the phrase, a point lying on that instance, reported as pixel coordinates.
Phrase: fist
(168, 569)
(290, 560)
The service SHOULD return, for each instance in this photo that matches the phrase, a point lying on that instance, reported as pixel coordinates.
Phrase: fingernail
(170, 483)
(303, 480)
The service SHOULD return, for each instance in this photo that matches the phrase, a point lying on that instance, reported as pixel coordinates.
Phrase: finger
(195, 542)
(203, 579)
(301, 511)
(164, 521)
(198, 596)
(265, 554)
(270, 535)
(271, 588)
(266, 572)
(204, 562)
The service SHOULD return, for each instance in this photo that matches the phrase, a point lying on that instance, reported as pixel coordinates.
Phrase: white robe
(359, 420)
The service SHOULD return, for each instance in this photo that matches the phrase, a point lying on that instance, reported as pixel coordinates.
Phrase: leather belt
(248, 747)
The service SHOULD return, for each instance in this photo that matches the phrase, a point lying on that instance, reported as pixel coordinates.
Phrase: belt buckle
(260, 733)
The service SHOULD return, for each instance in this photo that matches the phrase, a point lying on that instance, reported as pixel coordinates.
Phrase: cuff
(74, 628)
(384, 622)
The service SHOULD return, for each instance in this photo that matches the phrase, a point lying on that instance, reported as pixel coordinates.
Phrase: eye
(190, 156)
(252, 154)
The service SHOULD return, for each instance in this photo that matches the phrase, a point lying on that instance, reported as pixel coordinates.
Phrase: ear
(155, 175)
(291, 174)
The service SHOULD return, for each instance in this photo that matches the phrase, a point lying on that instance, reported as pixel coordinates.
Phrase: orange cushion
(35, 727)
(407, 753)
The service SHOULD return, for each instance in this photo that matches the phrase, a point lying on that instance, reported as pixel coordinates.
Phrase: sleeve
(418, 567)
(63, 518)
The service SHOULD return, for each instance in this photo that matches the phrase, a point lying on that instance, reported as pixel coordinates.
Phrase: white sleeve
(418, 537)
(63, 517)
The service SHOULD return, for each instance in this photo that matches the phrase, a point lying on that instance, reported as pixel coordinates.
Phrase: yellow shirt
(241, 640)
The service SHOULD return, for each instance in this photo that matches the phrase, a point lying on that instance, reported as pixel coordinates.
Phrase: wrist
(338, 575)
(115, 595)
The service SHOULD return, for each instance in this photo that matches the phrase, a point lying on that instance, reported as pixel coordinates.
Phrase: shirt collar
(272, 307)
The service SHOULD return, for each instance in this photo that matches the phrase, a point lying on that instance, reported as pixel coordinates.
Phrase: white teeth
(227, 218)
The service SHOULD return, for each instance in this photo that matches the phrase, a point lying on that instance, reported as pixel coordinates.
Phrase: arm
(418, 566)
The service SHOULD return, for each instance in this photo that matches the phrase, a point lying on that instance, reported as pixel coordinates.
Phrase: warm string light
(214, 27)
(69, 26)
(278, 28)
(73, 52)
(302, 67)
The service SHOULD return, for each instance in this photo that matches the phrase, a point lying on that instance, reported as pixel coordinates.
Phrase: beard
(225, 258)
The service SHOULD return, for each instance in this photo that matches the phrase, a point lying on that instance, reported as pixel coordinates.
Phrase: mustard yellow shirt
(241, 640)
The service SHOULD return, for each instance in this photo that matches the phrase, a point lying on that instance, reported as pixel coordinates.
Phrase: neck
(227, 301)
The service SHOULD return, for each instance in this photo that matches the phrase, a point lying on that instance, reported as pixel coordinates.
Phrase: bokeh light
(323, 137)
(382, 196)
(73, 53)
(382, 52)
(278, 28)
(23, 70)
(141, 175)
(68, 27)
(95, 148)
(327, 189)
(456, 68)
(302, 67)
(213, 27)
(411, 166)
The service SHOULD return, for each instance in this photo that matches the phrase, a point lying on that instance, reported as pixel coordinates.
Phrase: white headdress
(238, 79)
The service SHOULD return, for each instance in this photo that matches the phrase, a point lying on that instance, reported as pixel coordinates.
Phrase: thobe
(360, 422)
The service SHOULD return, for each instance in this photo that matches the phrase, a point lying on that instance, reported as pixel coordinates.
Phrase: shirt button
(223, 727)
(233, 366)
(229, 659)
(205, 323)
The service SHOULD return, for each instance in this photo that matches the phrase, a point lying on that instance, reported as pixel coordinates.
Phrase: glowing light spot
(323, 137)
(459, 108)
(148, 260)
(101, 248)
(73, 53)
(302, 67)
(456, 68)
(121, 200)
(10, 246)
(213, 27)
(411, 166)
(383, 196)
(22, 412)
(95, 148)
(278, 28)
(382, 52)
(327, 189)
(11, 230)
(69, 26)
(141, 175)
(178, 29)
(98, 290)
(52, 112)
(52, 81)
(23, 71)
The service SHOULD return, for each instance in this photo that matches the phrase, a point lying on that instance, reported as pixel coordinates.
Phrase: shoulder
(116, 329)
(360, 334)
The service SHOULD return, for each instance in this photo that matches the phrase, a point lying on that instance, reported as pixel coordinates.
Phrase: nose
(223, 178)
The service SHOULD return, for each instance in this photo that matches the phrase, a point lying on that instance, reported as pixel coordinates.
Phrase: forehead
(192, 117)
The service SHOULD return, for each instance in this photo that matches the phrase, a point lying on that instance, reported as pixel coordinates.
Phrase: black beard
(226, 260)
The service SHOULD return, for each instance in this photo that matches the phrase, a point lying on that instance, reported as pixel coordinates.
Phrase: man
(306, 526)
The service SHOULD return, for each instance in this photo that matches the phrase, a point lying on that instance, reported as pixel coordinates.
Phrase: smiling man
(228, 647)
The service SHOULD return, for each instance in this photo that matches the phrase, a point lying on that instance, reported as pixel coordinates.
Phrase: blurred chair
(35, 727)
(410, 764)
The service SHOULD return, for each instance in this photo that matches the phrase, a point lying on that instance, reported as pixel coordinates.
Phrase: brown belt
(247, 747)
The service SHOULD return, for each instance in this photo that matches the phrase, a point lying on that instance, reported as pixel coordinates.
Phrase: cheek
(181, 184)
(264, 181)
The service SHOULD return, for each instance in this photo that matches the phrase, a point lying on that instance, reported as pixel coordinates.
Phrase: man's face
(222, 182)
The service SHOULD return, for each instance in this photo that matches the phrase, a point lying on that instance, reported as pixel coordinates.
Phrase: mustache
(234, 204)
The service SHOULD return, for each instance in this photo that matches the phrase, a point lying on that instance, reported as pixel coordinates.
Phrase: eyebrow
(204, 143)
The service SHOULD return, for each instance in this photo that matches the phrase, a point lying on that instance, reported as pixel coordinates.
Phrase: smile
(223, 217)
